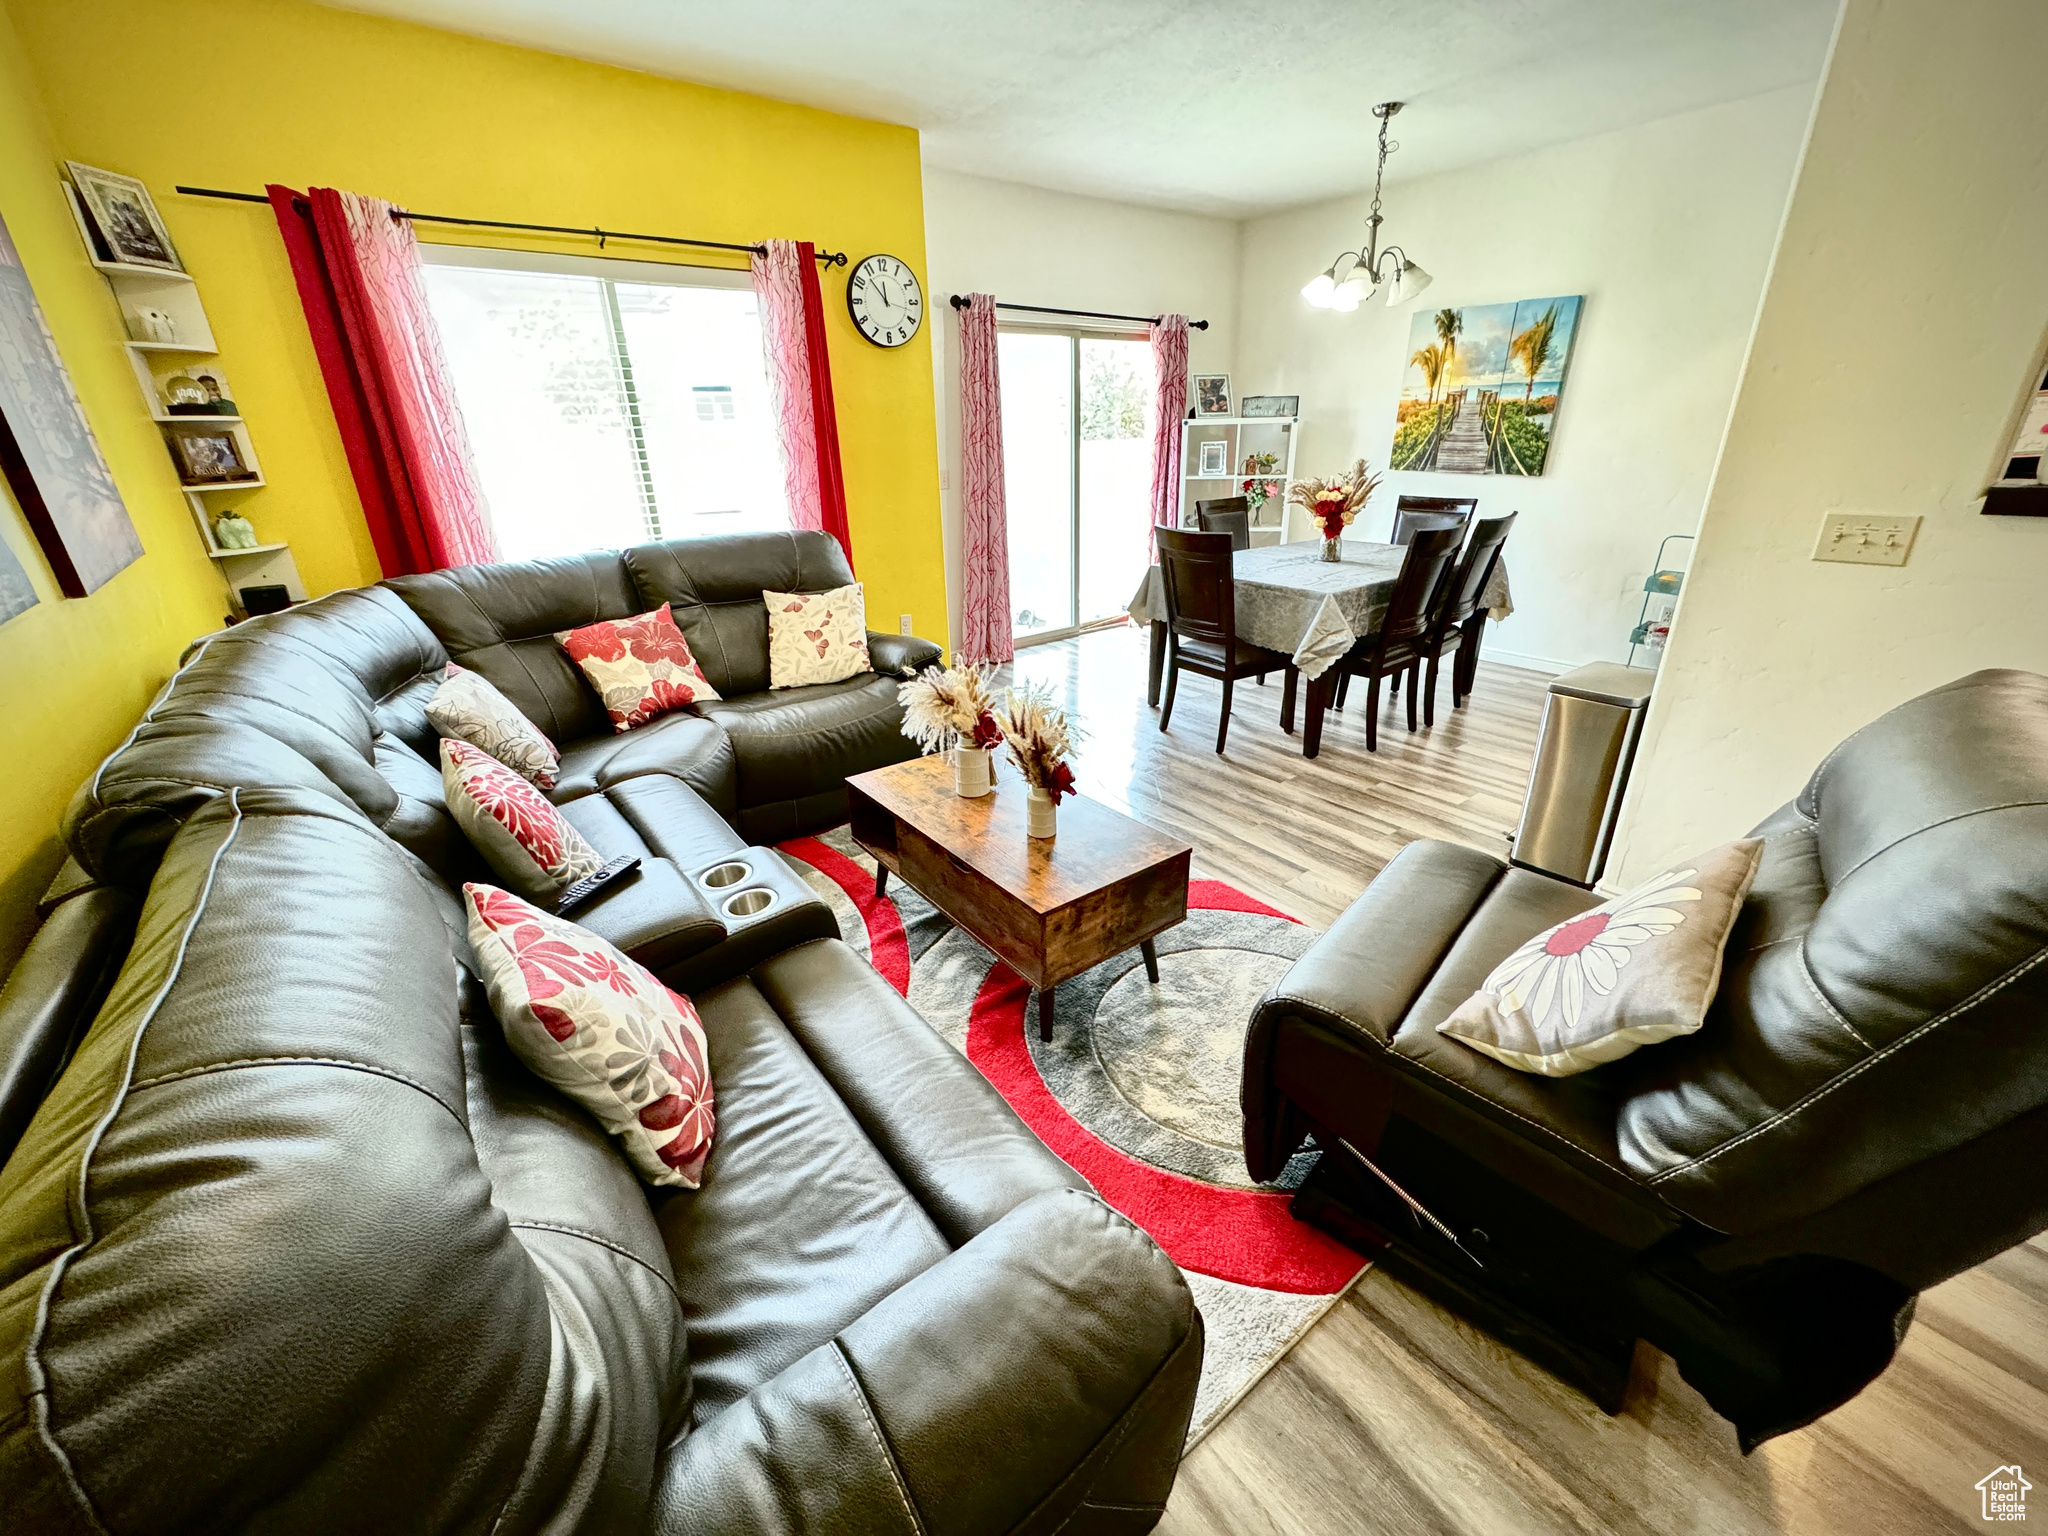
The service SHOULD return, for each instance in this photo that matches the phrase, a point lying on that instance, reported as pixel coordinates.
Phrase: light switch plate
(1864, 538)
(903, 623)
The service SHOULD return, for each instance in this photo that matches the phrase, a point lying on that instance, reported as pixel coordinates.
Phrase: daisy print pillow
(1635, 970)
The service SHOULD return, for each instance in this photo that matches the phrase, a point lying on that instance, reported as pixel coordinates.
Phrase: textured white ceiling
(1230, 108)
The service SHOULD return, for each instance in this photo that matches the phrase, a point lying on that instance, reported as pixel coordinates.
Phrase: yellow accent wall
(235, 93)
(74, 674)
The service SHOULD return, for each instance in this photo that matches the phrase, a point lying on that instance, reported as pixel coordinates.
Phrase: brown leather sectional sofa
(288, 1240)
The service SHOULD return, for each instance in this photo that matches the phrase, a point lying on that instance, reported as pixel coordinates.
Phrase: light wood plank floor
(1392, 1415)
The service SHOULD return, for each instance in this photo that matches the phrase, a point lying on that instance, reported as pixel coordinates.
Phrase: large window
(1077, 475)
(608, 402)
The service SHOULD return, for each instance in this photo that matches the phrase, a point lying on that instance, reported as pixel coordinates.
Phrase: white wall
(1905, 312)
(1031, 246)
(1665, 228)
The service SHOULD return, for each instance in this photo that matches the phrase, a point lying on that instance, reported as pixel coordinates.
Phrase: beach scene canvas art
(1482, 385)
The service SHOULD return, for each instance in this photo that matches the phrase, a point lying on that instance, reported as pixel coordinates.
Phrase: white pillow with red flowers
(469, 708)
(817, 637)
(600, 1027)
(641, 667)
(520, 834)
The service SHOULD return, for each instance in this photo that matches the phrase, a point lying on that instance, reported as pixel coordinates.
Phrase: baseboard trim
(1526, 662)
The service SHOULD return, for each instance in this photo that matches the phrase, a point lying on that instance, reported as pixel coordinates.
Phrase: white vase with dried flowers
(1040, 735)
(954, 712)
(1335, 504)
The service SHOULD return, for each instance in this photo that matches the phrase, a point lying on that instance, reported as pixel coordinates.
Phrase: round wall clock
(886, 304)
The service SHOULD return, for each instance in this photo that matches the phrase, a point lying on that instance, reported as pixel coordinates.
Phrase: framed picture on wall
(1215, 462)
(126, 218)
(17, 592)
(47, 450)
(1483, 385)
(1212, 394)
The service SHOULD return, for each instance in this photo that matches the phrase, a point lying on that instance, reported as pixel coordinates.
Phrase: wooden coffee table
(1051, 908)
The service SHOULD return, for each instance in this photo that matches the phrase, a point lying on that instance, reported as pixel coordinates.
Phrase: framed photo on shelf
(122, 213)
(1215, 463)
(208, 458)
(1269, 405)
(1212, 394)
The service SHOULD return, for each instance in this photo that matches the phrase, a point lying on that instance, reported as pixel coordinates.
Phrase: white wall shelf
(1243, 436)
(152, 300)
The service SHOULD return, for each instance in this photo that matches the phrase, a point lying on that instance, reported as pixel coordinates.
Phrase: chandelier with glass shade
(1356, 275)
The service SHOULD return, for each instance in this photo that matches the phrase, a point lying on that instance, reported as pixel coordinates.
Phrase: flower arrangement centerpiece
(1041, 735)
(1260, 484)
(1335, 504)
(954, 711)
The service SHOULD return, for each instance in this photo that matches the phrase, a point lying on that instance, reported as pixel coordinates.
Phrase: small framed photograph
(207, 458)
(1215, 460)
(121, 211)
(1270, 405)
(1212, 394)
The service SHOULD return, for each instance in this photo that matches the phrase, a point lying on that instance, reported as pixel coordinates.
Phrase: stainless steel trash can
(1583, 753)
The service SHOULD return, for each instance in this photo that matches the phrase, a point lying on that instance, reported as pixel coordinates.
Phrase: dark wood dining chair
(1413, 512)
(1409, 520)
(1227, 514)
(1398, 646)
(1201, 620)
(1460, 617)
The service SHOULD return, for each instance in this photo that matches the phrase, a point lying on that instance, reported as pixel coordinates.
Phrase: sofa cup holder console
(719, 876)
(748, 903)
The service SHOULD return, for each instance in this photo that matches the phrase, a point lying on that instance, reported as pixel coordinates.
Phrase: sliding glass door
(1077, 475)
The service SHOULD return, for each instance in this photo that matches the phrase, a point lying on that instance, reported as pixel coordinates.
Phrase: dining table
(1291, 600)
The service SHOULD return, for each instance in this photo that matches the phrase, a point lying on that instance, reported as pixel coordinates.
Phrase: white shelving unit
(138, 289)
(1242, 436)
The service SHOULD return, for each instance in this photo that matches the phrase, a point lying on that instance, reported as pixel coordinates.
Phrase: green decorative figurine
(231, 530)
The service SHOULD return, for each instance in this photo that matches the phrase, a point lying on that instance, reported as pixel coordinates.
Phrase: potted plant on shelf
(1335, 504)
(954, 711)
(1040, 735)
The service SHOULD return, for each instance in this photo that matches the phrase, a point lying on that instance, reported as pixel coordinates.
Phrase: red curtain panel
(793, 329)
(984, 521)
(358, 275)
(1169, 409)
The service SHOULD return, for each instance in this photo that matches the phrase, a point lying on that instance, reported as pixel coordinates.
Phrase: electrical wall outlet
(1862, 538)
(903, 623)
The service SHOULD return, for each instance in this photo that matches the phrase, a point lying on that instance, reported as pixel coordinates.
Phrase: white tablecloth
(1290, 599)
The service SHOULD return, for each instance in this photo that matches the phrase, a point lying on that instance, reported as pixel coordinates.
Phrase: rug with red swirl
(1137, 1090)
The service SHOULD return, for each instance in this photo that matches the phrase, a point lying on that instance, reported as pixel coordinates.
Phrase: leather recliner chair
(1864, 1113)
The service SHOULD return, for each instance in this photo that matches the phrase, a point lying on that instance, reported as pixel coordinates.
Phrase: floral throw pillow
(816, 637)
(641, 667)
(600, 1027)
(520, 834)
(1635, 970)
(467, 707)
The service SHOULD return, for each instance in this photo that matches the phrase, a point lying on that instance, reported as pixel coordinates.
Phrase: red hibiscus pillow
(641, 667)
(600, 1027)
(520, 834)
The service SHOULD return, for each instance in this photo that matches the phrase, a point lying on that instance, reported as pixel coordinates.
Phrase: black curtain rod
(961, 301)
(829, 258)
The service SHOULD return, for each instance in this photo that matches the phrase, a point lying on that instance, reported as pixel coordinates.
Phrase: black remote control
(574, 895)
